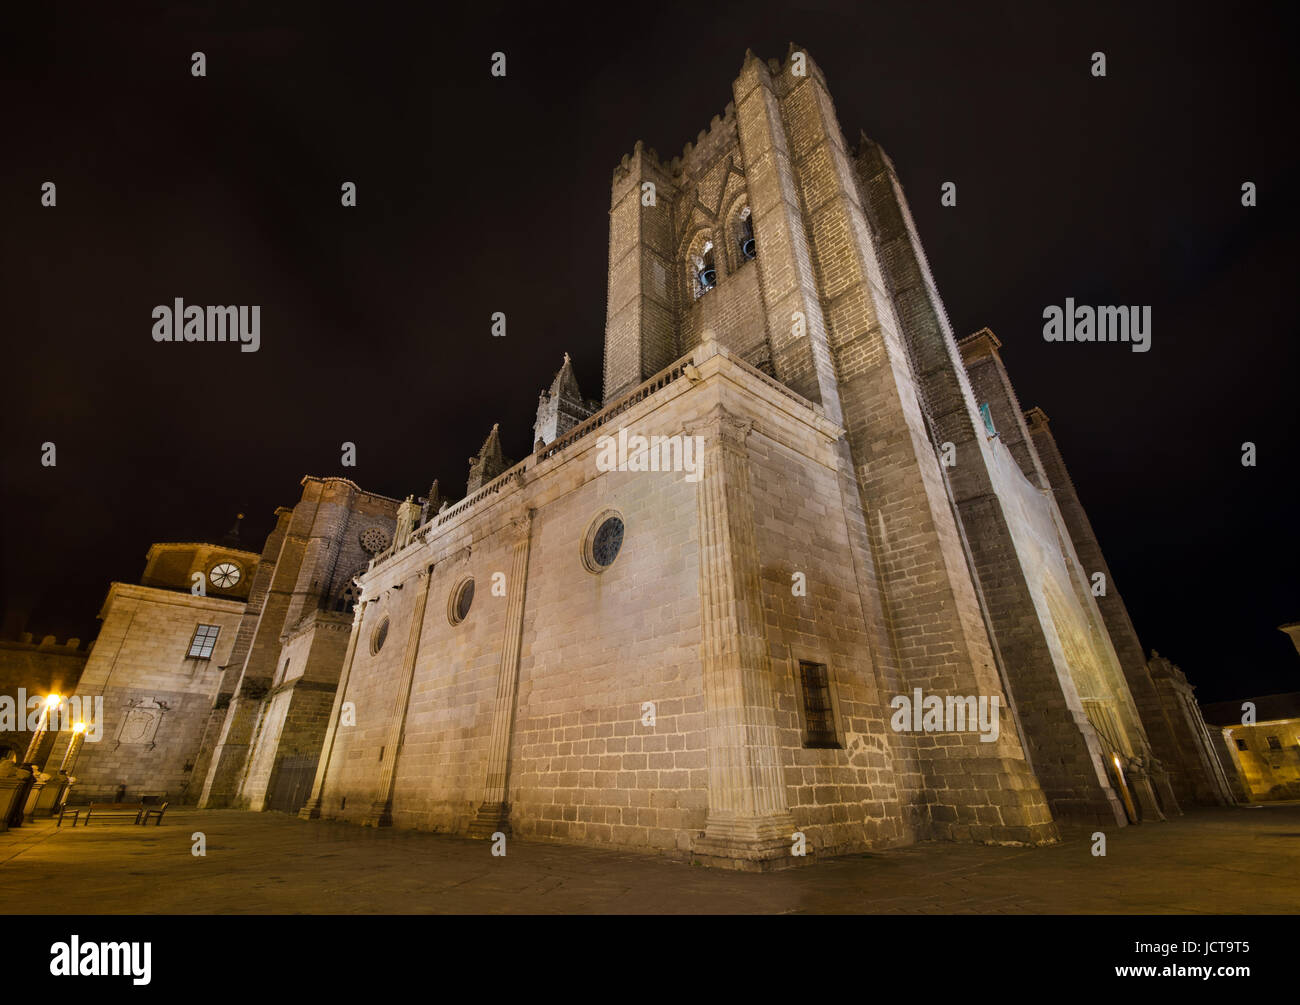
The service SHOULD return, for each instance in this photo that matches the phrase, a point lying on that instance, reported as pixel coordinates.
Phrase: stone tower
(762, 234)
(799, 254)
(288, 647)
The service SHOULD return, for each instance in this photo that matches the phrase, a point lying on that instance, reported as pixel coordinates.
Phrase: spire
(565, 382)
(434, 498)
(489, 463)
(232, 538)
(562, 407)
(431, 505)
(491, 449)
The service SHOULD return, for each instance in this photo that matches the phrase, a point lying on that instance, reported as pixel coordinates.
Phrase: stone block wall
(583, 766)
(295, 713)
(320, 549)
(1186, 777)
(38, 669)
(141, 668)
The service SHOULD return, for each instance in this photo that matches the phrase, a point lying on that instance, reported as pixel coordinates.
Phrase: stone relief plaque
(140, 721)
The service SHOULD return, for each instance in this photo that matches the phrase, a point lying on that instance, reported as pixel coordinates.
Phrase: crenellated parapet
(709, 145)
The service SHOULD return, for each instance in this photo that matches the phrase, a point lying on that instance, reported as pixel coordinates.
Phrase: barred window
(205, 639)
(818, 711)
(1274, 743)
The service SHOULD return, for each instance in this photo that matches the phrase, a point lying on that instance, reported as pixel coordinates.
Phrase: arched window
(745, 236)
(706, 272)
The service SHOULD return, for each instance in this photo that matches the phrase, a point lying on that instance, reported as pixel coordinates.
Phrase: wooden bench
(134, 810)
(153, 811)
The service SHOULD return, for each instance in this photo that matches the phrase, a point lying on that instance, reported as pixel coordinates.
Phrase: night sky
(478, 194)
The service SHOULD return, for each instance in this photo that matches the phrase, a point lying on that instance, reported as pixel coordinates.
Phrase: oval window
(461, 600)
(378, 637)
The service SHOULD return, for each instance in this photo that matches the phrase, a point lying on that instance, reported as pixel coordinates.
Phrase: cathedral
(825, 506)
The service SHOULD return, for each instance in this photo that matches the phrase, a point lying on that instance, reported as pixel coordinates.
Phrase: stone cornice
(253, 557)
(978, 344)
(333, 620)
(322, 479)
(177, 598)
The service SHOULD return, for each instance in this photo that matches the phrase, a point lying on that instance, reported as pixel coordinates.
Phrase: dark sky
(479, 194)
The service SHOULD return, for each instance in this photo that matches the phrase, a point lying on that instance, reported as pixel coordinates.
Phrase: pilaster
(494, 812)
(311, 810)
(381, 811)
(749, 824)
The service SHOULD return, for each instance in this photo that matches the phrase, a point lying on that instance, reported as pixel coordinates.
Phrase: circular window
(461, 599)
(373, 540)
(378, 636)
(604, 541)
(224, 575)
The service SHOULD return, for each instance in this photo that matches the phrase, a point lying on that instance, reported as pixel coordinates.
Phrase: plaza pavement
(1238, 860)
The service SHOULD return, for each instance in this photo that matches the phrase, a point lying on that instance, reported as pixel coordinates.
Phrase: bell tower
(759, 236)
(640, 322)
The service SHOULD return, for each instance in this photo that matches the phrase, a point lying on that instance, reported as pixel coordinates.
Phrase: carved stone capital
(521, 526)
(721, 427)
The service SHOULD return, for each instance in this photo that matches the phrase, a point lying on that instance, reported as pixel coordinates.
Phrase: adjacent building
(155, 669)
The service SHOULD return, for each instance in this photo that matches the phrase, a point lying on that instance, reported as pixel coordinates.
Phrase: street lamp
(74, 747)
(51, 703)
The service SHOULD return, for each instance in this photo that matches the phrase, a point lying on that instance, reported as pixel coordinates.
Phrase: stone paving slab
(1228, 861)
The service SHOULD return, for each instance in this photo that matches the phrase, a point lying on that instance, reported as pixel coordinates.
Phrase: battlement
(978, 344)
(709, 144)
(48, 642)
(345, 481)
(721, 133)
(643, 153)
(1036, 417)
(867, 146)
(785, 75)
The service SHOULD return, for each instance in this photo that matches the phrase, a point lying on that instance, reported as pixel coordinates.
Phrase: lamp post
(74, 748)
(39, 777)
(42, 724)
